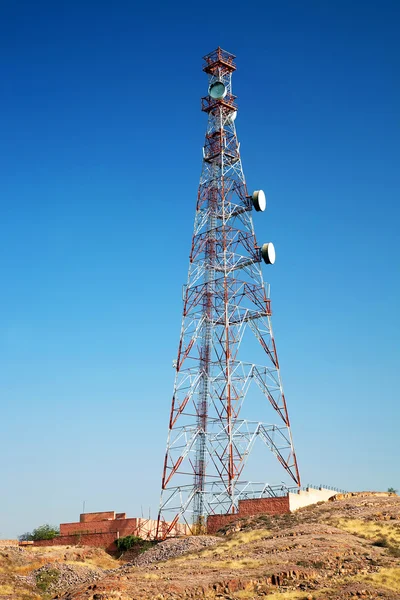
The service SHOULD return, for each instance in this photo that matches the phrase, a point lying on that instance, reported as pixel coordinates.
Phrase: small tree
(392, 490)
(43, 532)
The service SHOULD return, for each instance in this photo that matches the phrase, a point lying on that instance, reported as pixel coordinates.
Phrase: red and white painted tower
(226, 313)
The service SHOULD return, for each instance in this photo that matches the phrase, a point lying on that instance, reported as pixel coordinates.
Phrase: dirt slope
(349, 548)
(32, 573)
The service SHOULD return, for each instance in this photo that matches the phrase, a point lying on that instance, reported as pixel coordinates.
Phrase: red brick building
(101, 529)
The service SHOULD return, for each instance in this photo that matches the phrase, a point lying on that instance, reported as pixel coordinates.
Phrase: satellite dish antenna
(232, 116)
(268, 253)
(217, 90)
(259, 200)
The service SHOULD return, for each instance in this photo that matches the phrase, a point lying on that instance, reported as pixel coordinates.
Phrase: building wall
(215, 522)
(309, 496)
(269, 506)
(97, 516)
(124, 526)
(102, 534)
(144, 528)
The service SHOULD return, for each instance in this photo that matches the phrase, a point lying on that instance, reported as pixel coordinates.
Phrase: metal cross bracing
(225, 300)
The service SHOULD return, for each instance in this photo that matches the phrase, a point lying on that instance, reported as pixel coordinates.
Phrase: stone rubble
(69, 575)
(172, 548)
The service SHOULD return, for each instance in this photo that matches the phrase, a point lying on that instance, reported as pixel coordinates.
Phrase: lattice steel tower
(225, 303)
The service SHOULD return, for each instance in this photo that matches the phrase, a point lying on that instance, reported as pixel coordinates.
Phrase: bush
(45, 579)
(43, 532)
(382, 542)
(128, 542)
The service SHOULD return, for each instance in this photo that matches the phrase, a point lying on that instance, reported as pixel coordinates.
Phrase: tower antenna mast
(226, 317)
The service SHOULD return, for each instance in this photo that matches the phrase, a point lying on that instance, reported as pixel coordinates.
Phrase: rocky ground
(172, 549)
(345, 549)
(39, 573)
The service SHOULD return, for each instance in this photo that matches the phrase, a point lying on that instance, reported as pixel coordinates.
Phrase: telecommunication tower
(225, 301)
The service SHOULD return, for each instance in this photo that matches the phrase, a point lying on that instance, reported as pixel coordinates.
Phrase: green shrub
(128, 542)
(43, 532)
(45, 579)
(383, 542)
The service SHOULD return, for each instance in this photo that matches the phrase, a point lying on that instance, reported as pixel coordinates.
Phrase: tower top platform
(219, 59)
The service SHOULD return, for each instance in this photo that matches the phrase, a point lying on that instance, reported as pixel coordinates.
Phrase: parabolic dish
(232, 116)
(268, 253)
(259, 200)
(217, 90)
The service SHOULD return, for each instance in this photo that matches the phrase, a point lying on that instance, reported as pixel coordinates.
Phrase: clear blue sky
(100, 157)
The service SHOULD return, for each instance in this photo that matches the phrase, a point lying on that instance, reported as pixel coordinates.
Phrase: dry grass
(289, 596)
(100, 561)
(26, 569)
(44, 549)
(233, 542)
(6, 590)
(230, 564)
(87, 553)
(9, 591)
(78, 565)
(388, 578)
(275, 596)
(372, 530)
